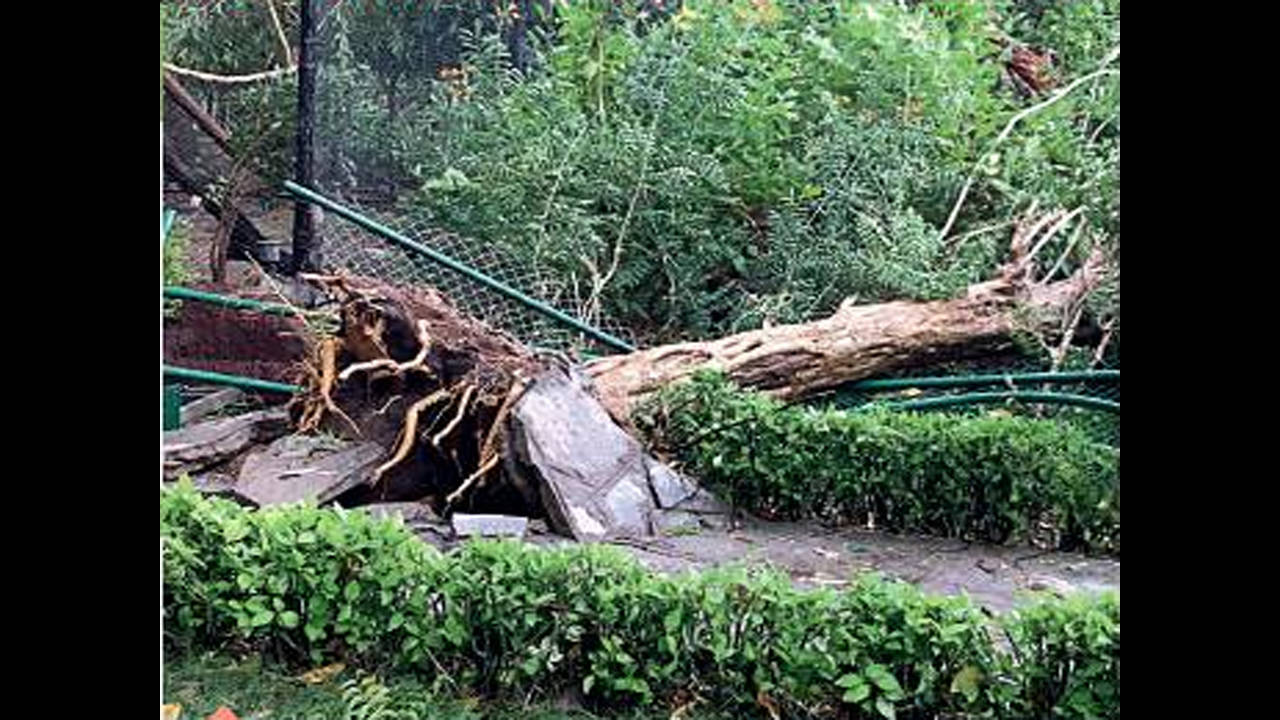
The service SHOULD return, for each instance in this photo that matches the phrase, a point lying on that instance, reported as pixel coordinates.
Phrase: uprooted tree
(436, 388)
(793, 362)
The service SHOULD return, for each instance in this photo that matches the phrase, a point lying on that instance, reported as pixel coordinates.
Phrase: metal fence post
(304, 229)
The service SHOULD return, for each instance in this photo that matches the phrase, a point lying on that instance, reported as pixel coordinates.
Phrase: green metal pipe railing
(182, 293)
(1048, 398)
(217, 378)
(166, 223)
(976, 380)
(388, 234)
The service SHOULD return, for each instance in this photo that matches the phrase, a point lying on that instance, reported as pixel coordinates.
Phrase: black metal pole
(518, 41)
(304, 229)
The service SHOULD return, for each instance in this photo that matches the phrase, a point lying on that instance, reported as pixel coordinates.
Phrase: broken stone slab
(703, 502)
(676, 522)
(465, 525)
(418, 518)
(669, 487)
(215, 484)
(439, 537)
(591, 474)
(209, 404)
(203, 445)
(411, 513)
(301, 467)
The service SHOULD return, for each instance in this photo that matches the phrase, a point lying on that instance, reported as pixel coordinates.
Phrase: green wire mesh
(356, 250)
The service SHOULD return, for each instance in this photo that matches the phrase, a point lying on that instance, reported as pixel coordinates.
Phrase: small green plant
(174, 264)
(366, 698)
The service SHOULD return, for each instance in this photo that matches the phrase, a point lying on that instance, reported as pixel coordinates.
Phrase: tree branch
(231, 79)
(1013, 121)
(284, 41)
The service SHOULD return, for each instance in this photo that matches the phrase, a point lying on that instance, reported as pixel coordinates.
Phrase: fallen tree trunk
(861, 341)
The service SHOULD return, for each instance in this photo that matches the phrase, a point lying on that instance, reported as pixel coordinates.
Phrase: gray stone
(592, 476)
(411, 512)
(669, 487)
(704, 502)
(714, 521)
(210, 404)
(418, 518)
(676, 522)
(214, 484)
(1051, 584)
(629, 507)
(438, 536)
(203, 445)
(489, 525)
(300, 467)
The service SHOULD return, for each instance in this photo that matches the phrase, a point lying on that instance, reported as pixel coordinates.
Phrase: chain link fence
(365, 105)
(352, 248)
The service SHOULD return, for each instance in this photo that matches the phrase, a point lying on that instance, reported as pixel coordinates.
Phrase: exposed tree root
(465, 373)
(490, 452)
(325, 356)
(489, 448)
(409, 432)
(471, 479)
(417, 363)
(457, 418)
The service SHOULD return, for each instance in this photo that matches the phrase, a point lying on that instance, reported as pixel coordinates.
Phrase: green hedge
(988, 478)
(509, 621)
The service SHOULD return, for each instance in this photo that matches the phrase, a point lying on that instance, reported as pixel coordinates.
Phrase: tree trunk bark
(856, 342)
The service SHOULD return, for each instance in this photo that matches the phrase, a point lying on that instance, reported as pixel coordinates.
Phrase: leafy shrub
(513, 621)
(1071, 662)
(987, 478)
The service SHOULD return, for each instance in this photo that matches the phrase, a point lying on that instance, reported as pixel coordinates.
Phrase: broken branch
(231, 79)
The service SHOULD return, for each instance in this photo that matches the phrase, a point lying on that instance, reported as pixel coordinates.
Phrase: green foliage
(234, 37)
(173, 260)
(1072, 655)
(202, 683)
(174, 267)
(987, 478)
(517, 622)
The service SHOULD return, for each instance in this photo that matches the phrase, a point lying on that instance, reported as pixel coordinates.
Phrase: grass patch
(255, 689)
